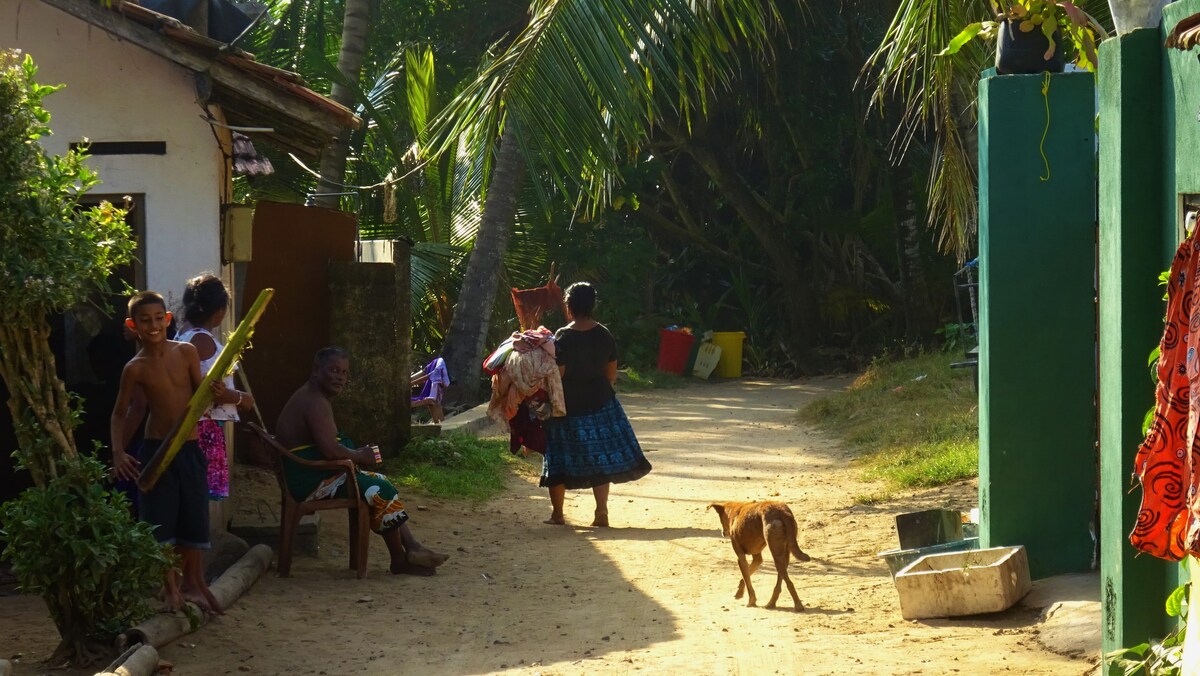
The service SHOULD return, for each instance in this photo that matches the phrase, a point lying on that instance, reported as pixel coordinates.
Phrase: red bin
(673, 350)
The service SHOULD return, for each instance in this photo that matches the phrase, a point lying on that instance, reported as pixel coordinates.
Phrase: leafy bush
(76, 545)
(53, 255)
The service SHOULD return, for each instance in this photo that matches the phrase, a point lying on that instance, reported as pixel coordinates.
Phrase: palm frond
(585, 81)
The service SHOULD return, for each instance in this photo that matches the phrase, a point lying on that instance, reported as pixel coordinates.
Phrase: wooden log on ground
(166, 627)
(140, 662)
(242, 575)
(161, 629)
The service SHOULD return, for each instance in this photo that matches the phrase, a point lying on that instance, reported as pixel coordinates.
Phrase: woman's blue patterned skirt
(592, 449)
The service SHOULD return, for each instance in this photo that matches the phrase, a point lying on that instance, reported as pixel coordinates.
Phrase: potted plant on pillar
(1034, 36)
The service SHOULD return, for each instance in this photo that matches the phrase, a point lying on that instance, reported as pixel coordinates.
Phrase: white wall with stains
(117, 91)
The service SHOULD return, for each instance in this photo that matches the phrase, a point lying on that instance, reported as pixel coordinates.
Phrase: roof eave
(251, 94)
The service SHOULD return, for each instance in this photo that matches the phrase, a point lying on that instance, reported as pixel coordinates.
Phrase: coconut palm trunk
(464, 348)
(355, 29)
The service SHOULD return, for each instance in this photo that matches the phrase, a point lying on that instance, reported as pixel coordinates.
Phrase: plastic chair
(291, 510)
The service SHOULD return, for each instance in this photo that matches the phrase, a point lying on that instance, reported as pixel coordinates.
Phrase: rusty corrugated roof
(1186, 33)
(251, 94)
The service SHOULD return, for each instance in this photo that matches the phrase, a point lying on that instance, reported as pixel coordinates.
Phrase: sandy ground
(653, 594)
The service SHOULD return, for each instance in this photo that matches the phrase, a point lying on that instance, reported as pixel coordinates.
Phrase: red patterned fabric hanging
(1167, 463)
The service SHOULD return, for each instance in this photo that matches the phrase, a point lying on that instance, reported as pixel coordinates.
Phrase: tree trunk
(769, 228)
(355, 28)
(464, 348)
(35, 391)
(914, 290)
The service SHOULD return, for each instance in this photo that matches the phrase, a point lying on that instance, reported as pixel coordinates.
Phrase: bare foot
(556, 520)
(213, 603)
(601, 520)
(199, 600)
(426, 558)
(172, 601)
(406, 568)
(203, 598)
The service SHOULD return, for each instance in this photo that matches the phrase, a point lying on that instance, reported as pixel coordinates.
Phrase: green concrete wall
(1037, 419)
(1181, 108)
(1132, 165)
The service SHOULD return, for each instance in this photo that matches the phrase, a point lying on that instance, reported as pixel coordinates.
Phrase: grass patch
(630, 379)
(868, 499)
(457, 466)
(914, 421)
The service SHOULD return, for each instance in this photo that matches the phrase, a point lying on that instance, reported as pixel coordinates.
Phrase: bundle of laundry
(527, 388)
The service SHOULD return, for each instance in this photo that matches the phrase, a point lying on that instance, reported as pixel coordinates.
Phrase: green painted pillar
(1037, 357)
(1131, 309)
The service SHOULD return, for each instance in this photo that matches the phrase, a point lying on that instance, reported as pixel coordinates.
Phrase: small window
(123, 147)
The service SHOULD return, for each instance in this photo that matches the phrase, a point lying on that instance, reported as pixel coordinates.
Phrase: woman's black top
(586, 354)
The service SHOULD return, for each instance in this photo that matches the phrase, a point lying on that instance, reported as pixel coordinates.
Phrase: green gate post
(1037, 357)
(1131, 244)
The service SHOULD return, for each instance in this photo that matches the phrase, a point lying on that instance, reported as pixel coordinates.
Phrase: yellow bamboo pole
(202, 398)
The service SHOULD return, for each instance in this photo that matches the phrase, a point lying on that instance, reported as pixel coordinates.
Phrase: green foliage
(914, 421)
(1155, 657)
(633, 380)
(69, 540)
(53, 253)
(935, 97)
(675, 245)
(1053, 19)
(76, 545)
(585, 81)
(458, 466)
(957, 337)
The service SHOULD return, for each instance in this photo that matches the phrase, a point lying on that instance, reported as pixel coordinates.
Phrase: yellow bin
(730, 364)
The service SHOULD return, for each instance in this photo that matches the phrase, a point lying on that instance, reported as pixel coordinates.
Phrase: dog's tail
(799, 553)
(795, 545)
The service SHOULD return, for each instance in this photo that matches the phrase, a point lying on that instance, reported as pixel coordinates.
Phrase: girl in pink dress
(205, 302)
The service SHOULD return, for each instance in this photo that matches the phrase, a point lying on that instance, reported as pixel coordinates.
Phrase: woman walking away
(593, 446)
(205, 302)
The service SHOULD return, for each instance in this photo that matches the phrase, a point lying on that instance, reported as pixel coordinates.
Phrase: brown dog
(753, 526)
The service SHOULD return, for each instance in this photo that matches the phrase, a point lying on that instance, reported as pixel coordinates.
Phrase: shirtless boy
(166, 373)
(306, 426)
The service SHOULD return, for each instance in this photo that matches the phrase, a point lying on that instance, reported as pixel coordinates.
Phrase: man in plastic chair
(306, 426)
(432, 380)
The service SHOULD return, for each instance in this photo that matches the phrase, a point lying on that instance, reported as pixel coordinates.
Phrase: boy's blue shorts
(177, 506)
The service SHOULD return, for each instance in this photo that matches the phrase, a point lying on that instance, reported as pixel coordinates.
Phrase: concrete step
(472, 421)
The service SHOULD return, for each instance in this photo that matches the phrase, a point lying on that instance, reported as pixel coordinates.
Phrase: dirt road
(653, 594)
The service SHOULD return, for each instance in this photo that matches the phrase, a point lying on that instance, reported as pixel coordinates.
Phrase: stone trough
(963, 583)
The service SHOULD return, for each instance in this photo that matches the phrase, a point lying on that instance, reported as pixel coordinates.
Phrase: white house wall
(117, 91)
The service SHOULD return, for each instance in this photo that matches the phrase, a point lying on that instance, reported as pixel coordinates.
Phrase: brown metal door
(292, 248)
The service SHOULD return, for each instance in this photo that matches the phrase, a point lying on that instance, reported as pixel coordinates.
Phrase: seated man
(306, 426)
(432, 380)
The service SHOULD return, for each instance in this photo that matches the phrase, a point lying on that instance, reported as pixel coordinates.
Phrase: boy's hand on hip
(125, 466)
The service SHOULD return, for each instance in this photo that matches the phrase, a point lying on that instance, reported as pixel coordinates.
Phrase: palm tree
(355, 28)
(580, 88)
(936, 97)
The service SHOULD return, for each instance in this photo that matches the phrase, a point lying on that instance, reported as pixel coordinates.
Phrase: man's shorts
(177, 506)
